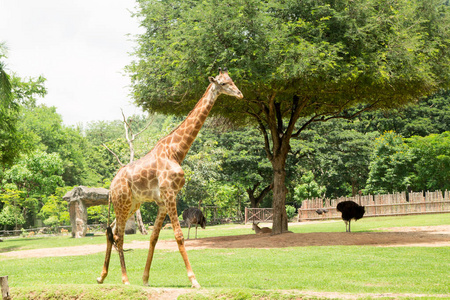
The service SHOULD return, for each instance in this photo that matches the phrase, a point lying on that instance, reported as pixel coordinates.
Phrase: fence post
(5, 288)
(246, 212)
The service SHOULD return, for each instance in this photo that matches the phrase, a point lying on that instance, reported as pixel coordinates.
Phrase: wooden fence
(380, 205)
(376, 206)
(257, 215)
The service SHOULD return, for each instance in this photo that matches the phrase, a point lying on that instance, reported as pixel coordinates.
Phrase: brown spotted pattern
(158, 177)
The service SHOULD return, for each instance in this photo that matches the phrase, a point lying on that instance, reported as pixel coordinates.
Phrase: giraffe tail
(109, 233)
(110, 236)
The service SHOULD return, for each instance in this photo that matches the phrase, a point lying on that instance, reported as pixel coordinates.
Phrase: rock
(79, 199)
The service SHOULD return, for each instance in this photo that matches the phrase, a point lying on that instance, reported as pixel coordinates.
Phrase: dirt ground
(425, 236)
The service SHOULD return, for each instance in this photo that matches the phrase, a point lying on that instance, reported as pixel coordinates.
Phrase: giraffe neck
(183, 136)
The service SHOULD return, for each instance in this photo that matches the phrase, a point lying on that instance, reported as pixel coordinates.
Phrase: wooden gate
(258, 215)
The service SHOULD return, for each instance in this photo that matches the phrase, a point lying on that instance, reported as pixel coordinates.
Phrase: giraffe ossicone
(158, 177)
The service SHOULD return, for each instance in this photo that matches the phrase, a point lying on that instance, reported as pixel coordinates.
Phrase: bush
(52, 221)
(290, 211)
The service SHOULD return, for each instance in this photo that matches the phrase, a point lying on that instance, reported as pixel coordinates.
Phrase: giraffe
(158, 177)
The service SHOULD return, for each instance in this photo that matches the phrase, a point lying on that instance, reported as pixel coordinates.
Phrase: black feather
(350, 210)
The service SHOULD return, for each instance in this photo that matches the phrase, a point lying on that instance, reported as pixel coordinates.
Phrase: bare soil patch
(424, 236)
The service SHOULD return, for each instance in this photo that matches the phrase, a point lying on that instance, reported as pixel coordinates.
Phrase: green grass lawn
(343, 269)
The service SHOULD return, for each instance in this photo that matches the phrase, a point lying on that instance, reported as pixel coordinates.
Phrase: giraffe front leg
(162, 212)
(172, 211)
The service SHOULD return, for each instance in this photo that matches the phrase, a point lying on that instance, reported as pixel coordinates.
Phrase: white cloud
(81, 47)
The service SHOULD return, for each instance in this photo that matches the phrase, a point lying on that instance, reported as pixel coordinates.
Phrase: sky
(80, 46)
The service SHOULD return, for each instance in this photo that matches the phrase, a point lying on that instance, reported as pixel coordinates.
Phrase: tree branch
(335, 115)
(117, 157)
(262, 128)
(296, 111)
(273, 126)
(129, 131)
(304, 126)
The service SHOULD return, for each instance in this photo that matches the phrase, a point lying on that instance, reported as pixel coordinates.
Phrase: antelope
(259, 230)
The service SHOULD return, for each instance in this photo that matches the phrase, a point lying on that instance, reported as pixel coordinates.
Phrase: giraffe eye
(223, 83)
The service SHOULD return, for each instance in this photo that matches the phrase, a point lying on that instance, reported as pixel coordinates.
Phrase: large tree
(296, 62)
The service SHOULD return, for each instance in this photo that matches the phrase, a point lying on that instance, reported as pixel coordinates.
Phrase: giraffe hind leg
(109, 244)
(119, 238)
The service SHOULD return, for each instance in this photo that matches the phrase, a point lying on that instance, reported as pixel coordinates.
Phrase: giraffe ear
(212, 79)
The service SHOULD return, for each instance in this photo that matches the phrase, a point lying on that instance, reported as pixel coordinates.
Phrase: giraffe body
(158, 177)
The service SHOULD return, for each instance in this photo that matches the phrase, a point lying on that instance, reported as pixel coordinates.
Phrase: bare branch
(296, 111)
(126, 126)
(129, 132)
(351, 116)
(334, 115)
(146, 126)
(117, 157)
(304, 126)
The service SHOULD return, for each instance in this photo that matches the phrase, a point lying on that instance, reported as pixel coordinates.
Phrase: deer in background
(259, 230)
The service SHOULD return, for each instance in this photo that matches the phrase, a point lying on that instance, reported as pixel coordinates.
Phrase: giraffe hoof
(99, 280)
(196, 285)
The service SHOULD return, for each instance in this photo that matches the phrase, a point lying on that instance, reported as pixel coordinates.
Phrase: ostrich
(321, 211)
(195, 216)
(350, 210)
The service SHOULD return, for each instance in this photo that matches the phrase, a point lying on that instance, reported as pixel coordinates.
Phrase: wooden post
(4, 288)
(246, 215)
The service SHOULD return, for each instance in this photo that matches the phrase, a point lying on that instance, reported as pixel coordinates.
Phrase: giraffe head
(225, 85)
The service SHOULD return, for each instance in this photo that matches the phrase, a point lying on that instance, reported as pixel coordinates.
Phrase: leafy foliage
(290, 211)
(11, 216)
(431, 157)
(427, 116)
(38, 173)
(308, 188)
(14, 92)
(54, 211)
(390, 166)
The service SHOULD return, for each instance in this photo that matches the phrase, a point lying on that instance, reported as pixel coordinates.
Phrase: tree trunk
(280, 221)
(139, 222)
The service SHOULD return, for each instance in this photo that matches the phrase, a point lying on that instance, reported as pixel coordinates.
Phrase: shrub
(290, 211)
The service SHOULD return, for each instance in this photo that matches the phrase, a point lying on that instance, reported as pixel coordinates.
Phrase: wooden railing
(380, 205)
(258, 215)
